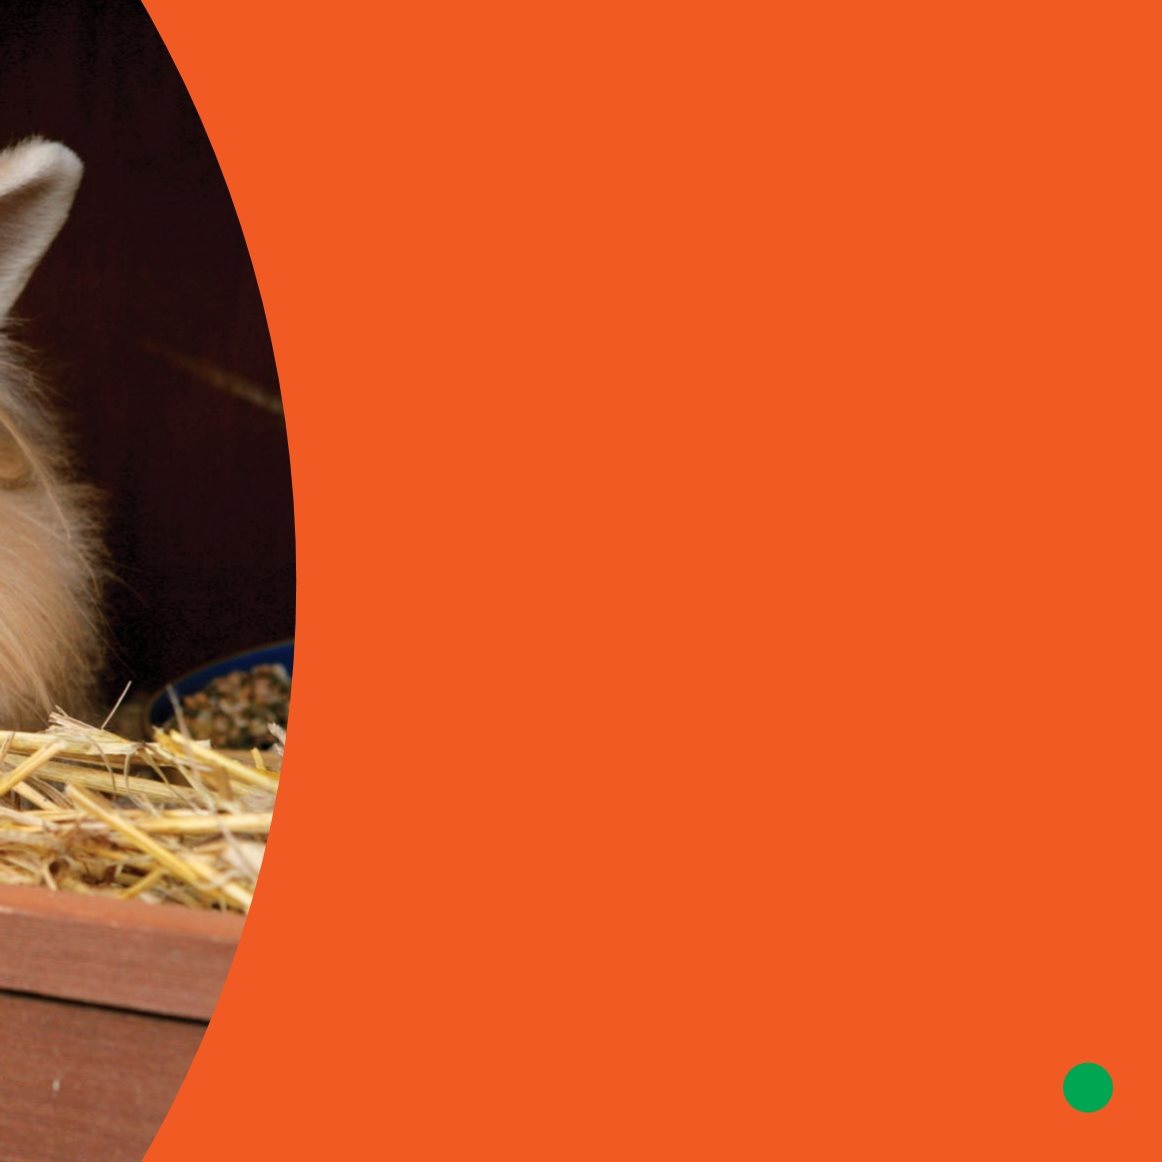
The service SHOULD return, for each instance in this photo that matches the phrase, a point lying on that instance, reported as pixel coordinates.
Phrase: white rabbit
(49, 559)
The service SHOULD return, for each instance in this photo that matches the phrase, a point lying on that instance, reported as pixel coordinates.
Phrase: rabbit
(50, 561)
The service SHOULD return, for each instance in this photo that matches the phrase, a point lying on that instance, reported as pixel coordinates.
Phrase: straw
(167, 821)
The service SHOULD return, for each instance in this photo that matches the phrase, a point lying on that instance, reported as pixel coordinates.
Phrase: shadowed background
(146, 319)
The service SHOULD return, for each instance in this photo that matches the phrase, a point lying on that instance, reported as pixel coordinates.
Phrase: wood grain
(85, 1084)
(150, 958)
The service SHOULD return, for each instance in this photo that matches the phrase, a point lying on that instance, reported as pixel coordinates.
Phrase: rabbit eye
(15, 470)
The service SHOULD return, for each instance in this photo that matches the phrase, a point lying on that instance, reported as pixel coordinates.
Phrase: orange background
(726, 457)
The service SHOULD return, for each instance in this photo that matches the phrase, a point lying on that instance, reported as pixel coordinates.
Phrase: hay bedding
(172, 820)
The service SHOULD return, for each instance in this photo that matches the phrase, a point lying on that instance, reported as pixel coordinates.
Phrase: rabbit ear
(38, 180)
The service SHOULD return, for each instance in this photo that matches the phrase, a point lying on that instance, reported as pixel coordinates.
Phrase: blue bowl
(160, 708)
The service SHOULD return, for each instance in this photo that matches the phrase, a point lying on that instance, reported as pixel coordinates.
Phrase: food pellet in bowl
(235, 711)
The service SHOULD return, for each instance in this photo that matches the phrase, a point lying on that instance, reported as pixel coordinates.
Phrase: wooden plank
(83, 1083)
(124, 953)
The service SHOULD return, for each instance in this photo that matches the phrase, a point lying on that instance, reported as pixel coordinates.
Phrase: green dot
(1088, 1087)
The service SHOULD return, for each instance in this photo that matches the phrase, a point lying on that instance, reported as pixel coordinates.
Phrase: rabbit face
(49, 588)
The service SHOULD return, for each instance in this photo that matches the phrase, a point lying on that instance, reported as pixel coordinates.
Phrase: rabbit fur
(50, 642)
